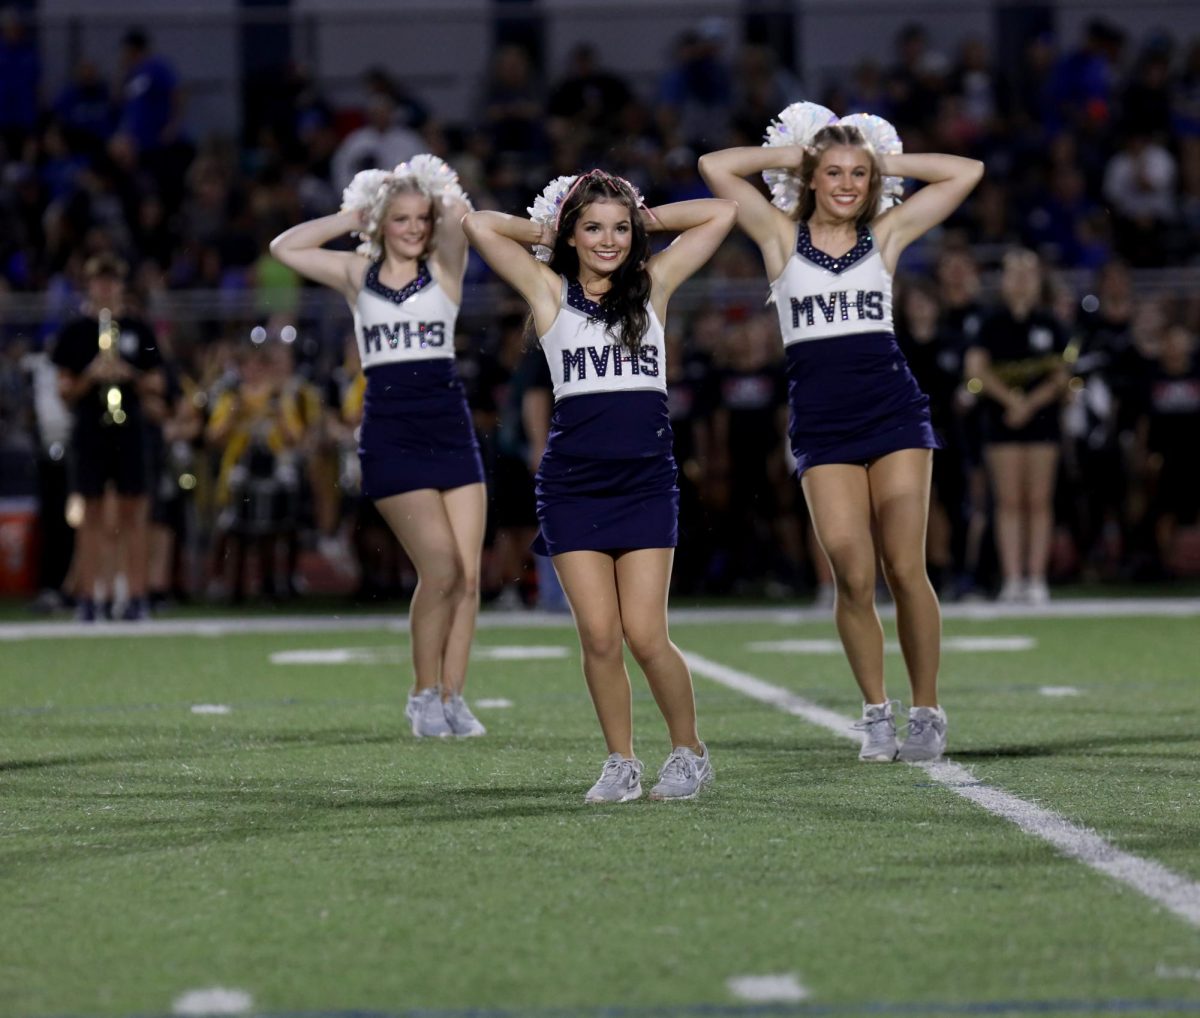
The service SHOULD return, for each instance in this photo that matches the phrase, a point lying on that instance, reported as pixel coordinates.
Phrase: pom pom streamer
(795, 125)
(798, 123)
(546, 207)
(432, 176)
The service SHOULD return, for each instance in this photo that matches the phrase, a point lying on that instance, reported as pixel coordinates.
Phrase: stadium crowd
(247, 421)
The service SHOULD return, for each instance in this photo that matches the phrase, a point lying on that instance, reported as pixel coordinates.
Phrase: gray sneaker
(425, 711)
(683, 775)
(462, 722)
(926, 735)
(620, 781)
(878, 726)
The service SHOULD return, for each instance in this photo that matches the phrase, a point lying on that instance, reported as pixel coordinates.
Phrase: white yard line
(1079, 608)
(1178, 894)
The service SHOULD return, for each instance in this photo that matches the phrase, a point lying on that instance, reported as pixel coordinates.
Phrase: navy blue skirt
(606, 504)
(853, 399)
(416, 432)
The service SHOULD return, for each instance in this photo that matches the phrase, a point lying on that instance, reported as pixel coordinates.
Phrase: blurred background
(177, 139)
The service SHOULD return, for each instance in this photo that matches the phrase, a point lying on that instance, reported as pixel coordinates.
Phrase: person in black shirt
(104, 389)
(1017, 363)
(1168, 435)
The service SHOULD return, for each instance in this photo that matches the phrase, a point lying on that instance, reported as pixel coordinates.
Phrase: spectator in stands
(1016, 363)
(1168, 436)
(107, 366)
(589, 100)
(696, 93)
(20, 74)
(1139, 185)
(381, 143)
(512, 107)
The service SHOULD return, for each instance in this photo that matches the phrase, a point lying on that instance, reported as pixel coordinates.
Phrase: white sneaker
(683, 775)
(620, 781)
(926, 735)
(462, 722)
(1013, 592)
(424, 711)
(1037, 593)
(878, 726)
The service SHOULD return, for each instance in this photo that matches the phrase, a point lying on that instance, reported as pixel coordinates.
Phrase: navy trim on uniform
(806, 250)
(579, 301)
(372, 283)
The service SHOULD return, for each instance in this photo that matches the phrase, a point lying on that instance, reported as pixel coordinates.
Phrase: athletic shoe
(137, 610)
(926, 735)
(878, 726)
(425, 712)
(683, 775)
(1037, 593)
(1013, 592)
(462, 722)
(620, 781)
(85, 610)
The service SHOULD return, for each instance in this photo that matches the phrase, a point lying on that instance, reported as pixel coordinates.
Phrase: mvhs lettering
(407, 334)
(863, 305)
(606, 360)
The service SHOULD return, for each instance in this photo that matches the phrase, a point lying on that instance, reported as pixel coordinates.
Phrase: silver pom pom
(795, 125)
(545, 208)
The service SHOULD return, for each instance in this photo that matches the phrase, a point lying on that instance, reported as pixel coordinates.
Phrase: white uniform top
(398, 326)
(585, 359)
(819, 297)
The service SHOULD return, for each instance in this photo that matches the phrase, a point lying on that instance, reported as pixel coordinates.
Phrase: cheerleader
(607, 503)
(420, 459)
(859, 425)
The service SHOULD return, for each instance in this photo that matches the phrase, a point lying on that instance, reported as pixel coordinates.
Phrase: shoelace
(614, 768)
(866, 724)
(678, 767)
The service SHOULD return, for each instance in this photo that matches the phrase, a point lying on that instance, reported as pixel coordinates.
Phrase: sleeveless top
(415, 323)
(820, 297)
(610, 402)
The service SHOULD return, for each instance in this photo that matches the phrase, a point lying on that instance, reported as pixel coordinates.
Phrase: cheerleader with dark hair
(607, 502)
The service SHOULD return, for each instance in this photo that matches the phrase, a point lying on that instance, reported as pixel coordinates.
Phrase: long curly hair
(393, 188)
(624, 305)
(823, 140)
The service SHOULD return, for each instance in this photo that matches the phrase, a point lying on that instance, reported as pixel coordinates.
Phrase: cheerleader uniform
(416, 429)
(851, 395)
(607, 479)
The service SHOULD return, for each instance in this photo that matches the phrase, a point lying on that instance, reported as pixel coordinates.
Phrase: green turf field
(302, 848)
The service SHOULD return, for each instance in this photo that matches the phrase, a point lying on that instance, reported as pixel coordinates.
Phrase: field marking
(496, 703)
(974, 644)
(211, 708)
(216, 1000)
(399, 655)
(1076, 608)
(1059, 691)
(767, 989)
(1176, 893)
(781, 1009)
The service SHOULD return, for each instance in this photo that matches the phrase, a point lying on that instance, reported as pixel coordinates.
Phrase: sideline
(352, 621)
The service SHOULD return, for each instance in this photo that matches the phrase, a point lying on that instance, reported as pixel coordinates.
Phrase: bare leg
(589, 579)
(419, 521)
(839, 501)
(643, 577)
(900, 497)
(1006, 468)
(1041, 470)
(466, 508)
